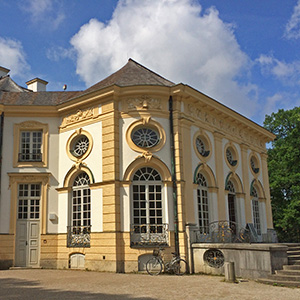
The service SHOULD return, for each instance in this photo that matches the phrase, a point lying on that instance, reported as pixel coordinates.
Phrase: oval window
(80, 146)
(145, 137)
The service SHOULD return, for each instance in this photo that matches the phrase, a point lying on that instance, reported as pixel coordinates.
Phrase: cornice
(29, 111)
(113, 91)
(85, 101)
(202, 103)
(29, 177)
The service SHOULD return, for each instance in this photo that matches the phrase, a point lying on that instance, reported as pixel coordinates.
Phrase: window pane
(30, 146)
(29, 201)
(81, 208)
(147, 200)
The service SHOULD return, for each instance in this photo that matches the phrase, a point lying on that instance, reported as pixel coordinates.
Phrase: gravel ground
(68, 284)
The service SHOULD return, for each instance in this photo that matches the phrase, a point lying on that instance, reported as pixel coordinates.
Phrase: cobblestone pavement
(68, 284)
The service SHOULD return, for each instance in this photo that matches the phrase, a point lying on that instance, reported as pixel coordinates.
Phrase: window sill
(30, 164)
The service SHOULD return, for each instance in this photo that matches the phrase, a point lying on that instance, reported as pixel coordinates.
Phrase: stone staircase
(290, 274)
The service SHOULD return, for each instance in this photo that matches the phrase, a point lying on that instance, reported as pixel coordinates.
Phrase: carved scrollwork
(80, 115)
(147, 155)
(31, 124)
(224, 125)
(144, 102)
(22, 177)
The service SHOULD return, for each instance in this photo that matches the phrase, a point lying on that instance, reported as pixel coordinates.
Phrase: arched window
(255, 211)
(147, 204)
(202, 203)
(231, 205)
(81, 201)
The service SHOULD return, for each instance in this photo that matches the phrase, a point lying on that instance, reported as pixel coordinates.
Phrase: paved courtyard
(68, 284)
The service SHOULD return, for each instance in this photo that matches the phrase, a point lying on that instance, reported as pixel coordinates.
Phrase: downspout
(173, 172)
(1, 144)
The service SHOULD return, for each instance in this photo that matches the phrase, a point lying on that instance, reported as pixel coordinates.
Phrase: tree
(284, 172)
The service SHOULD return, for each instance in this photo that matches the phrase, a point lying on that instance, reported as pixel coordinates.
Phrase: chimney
(3, 71)
(37, 85)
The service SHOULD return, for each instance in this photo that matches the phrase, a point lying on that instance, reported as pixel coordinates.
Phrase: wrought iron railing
(223, 232)
(149, 235)
(30, 157)
(79, 236)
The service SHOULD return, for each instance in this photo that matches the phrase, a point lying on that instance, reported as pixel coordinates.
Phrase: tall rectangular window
(30, 145)
(256, 216)
(203, 210)
(29, 196)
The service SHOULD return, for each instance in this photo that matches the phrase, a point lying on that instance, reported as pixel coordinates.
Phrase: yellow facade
(108, 118)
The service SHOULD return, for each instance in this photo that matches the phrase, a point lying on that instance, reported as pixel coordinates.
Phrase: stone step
(293, 252)
(288, 272)
(294, 249)
(294, 263)
(279, 283)
(296, 256)
(24, 268)
(291, 267)
(292, 244)
(278, 277)
(293, 260)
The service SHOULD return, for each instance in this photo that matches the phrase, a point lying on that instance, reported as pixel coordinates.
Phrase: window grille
(255, 211)
(29, 196)
(202, 203)
(30, 146)
(81, 201)
(145, 137)
(147, 199)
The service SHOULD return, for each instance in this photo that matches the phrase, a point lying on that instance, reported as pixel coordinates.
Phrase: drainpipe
(173, 172)
(1, 144)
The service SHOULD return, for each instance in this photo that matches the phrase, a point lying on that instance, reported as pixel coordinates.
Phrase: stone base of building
(250, 260)
(5, 264)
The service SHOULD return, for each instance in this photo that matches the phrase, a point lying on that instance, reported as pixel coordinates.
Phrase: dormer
(3, 71)
(37, 85)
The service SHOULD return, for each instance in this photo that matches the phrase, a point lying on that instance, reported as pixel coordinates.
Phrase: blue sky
(243, 53)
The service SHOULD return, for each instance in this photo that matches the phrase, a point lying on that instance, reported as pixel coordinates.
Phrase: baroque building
(98, 178)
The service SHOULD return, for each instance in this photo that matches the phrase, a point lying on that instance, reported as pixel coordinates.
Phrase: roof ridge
(147, 69)
(9, 85)
(132, 73)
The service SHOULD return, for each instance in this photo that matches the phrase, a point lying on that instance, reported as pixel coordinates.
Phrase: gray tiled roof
(131, 74)
(8, 85)
(36, 98)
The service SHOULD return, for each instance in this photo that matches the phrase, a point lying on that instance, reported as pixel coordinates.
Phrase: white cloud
(12, 56)
(282, 100)
(273, 103)
(292, 28)
(176, 39)
(56, 53)
(48, 13)
(288, 73)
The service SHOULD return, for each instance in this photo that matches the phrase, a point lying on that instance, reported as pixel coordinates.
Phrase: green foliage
(284, 172)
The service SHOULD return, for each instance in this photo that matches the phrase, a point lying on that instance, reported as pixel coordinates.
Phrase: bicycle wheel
(180, 267)
(154, 266)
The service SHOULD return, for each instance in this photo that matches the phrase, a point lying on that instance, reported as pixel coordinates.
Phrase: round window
(214, 258)
(80, 146)
(145, 137)
(254, 165)
(201, 147)
(230, 157)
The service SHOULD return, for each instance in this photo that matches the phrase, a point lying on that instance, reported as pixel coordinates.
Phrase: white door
(77, 261)
(28, 226)
(27, 243)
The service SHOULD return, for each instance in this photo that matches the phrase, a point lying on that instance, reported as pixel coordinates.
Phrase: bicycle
(156, 264)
